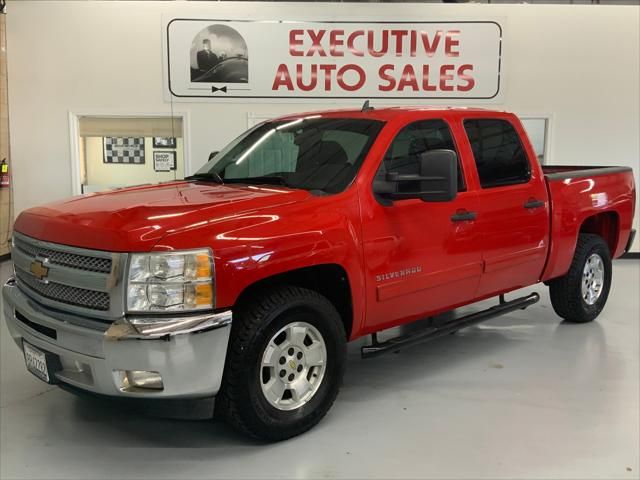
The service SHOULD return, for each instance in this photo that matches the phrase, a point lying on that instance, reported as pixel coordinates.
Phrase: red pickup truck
(245, 281)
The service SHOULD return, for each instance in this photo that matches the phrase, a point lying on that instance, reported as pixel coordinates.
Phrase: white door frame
(255, 118)
(74, 135)
(548, 137)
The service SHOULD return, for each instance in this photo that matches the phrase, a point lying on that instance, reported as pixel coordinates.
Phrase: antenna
(366, 107)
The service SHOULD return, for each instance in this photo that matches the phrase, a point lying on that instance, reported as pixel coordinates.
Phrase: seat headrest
(417, 146)
(331, 152)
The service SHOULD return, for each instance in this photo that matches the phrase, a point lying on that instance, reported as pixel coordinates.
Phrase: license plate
(36, 362)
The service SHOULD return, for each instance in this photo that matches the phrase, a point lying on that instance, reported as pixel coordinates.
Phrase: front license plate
(36, 362)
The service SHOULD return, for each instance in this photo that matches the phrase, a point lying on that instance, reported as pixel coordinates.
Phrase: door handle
(533, 203)
(463, 216)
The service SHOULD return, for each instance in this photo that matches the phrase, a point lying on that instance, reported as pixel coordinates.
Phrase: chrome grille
(80, 281)
(66, 259)
(64, 293)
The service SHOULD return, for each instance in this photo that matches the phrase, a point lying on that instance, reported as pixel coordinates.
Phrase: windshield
(312, 153)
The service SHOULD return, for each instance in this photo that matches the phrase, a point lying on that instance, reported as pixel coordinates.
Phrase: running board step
(394, 344)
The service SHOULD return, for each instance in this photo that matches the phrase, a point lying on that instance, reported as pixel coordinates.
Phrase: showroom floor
(555, 400)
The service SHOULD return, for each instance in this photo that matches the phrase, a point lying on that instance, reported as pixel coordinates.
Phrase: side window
(498, 153)
(403, 156)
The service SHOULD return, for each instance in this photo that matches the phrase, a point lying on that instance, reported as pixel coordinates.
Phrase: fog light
(133, 379)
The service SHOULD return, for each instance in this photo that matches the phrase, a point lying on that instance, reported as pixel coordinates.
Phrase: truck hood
(135, 219)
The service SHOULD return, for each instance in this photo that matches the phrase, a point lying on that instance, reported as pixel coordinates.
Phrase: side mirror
(436, 182)
(212, 154)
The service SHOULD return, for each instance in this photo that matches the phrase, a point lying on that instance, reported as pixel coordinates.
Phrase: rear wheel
(582, 293)
(284, 365)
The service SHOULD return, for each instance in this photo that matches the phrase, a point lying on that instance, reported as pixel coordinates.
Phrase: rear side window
(411, 142)
(498, 153)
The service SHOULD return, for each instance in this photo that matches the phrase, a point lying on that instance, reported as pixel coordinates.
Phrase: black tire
(566, 293)
(241, 401)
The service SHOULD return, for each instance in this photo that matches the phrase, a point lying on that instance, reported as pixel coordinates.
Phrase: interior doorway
(121, 151)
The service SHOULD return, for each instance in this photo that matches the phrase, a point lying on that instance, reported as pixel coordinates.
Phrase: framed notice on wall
(164, 142)
(207, 58)
(164, 161)
(125, 150)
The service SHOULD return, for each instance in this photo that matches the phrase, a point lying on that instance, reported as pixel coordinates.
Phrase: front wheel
(284, 365)
(581, 294)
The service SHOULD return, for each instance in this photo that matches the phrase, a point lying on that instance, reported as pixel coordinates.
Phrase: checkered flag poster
(129, 150)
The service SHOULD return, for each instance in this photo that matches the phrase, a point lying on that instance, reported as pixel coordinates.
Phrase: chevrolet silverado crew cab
(245, 281)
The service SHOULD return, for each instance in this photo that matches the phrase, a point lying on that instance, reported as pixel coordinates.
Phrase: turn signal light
(203, 266)
(204, 294)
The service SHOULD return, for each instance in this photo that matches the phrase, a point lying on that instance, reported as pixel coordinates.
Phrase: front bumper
(189, 355)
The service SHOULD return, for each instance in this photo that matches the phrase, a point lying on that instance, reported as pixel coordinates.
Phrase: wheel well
(329, 280)
(605, 225)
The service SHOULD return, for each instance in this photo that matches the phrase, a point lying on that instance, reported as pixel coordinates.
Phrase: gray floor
(522, 396)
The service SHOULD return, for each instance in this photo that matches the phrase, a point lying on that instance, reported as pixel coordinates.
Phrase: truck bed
(561, 172)
(587, 200)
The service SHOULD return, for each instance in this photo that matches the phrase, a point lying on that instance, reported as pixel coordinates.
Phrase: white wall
(578, 63)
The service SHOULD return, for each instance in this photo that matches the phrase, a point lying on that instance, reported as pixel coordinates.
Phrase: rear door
(513, 209)
(420, 257)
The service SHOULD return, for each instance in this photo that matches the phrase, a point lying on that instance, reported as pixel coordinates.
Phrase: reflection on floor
(523, 395)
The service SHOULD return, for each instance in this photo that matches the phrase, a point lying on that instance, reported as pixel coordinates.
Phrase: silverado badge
(38, 269)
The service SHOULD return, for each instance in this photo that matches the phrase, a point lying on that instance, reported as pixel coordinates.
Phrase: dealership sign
(301, 60)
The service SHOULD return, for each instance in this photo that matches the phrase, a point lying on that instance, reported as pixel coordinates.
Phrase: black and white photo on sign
(125, 150)
(164, 161)
(164, 142)
(219, 54)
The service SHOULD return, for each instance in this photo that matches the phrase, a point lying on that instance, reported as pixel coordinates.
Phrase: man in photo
(206, 58)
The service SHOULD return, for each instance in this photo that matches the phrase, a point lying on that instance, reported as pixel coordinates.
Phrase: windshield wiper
(264, 180)
(206, 176)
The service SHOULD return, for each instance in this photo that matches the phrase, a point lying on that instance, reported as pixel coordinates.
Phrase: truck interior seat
(320, 166)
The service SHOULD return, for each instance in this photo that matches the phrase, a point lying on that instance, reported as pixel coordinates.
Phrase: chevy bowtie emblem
(221, 89)
(38, 269)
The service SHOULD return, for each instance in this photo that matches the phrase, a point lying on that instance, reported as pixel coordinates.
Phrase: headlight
(172, 281)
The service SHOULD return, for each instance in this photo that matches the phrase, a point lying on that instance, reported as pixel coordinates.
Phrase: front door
(421, 257)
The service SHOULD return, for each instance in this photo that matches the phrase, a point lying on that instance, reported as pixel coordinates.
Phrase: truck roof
(389, 113)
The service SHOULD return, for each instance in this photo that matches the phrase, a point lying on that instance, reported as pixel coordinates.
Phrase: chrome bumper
(188, 351)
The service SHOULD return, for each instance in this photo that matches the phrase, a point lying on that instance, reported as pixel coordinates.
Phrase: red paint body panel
(256, 245)
(574, 200)
(403, 262)
(135, 219)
